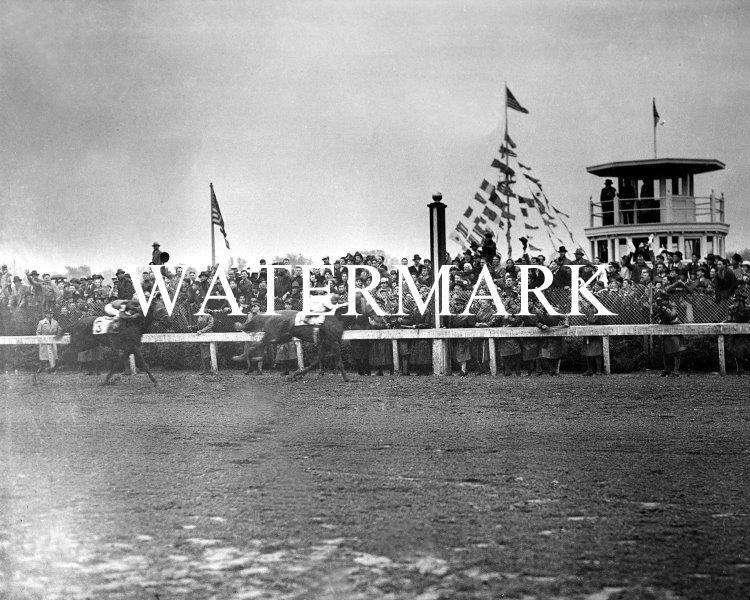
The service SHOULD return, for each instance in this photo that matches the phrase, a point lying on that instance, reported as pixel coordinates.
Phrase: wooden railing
(438, 336)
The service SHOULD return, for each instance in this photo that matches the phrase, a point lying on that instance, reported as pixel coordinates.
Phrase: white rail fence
(437, 336)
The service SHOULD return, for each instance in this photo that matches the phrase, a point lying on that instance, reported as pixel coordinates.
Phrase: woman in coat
(47, 352)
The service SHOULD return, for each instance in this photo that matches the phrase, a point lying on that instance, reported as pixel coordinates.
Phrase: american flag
(216, 218)
(511, 102)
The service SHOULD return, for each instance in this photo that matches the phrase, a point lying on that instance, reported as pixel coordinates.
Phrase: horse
(285, 325)
(126, 341)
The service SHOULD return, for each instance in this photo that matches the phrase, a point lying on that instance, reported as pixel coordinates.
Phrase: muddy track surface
(624, 487)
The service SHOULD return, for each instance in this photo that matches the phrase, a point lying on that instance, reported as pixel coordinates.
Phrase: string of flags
(517, 193)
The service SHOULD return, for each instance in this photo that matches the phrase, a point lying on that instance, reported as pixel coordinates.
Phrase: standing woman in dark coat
(593, 348)
(672, 345)
(509, 348)
(361, 348)
(553, 348)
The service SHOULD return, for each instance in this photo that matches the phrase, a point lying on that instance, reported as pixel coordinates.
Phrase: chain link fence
(628, 354)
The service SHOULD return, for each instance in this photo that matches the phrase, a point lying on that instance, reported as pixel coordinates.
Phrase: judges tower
(656, 196)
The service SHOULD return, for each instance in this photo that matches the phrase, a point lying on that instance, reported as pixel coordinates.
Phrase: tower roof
(657, 167)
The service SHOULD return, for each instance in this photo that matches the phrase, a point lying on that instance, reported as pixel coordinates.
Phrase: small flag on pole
(511, 102)
(657, 119)
(216, 218)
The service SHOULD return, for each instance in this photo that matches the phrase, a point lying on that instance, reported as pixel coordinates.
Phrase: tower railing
(657, 209)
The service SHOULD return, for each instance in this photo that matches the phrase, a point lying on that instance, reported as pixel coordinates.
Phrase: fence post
(493, 356)
(396, 365)
(441, 357)
(605, 355)
(214, 360)
(722, 356)
(300, 355)
(133, 370)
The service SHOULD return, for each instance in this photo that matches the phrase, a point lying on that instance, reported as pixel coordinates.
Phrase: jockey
(121, 309)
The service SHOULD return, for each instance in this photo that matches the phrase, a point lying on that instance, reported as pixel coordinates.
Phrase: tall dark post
(440, 363)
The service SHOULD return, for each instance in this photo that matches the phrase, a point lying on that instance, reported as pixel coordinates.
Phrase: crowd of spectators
(700, 288)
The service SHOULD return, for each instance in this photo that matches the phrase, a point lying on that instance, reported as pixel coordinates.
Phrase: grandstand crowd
(698, 288)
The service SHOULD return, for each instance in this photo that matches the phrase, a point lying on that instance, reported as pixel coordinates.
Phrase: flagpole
(211, 210)
(653, 104)
(507, 159)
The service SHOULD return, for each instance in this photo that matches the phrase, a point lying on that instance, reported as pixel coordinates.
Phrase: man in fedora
(156, 254)
(607, 199)
(125, 289)
(562, 256)
(416, 268)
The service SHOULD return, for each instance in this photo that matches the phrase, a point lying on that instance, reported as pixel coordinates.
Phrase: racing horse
(325, 333)
(125, 341)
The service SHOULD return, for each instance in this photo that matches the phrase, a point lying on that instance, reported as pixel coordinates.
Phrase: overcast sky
(326, 126)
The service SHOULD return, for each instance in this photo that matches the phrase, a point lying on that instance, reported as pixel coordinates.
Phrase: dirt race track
(623, 487)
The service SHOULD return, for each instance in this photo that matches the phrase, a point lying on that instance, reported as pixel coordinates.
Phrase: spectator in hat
(416, 268)
(737, 265)
(155, 254)
(672, 345)
(125, 289)
(205, 324)
(48, 352)
(562, 256)
(726, 281)
(607, 200)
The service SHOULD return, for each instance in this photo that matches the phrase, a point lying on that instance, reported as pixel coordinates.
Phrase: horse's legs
(307, 369)
(112, 366)
(139, 355)
(321, 362)
(339, 360)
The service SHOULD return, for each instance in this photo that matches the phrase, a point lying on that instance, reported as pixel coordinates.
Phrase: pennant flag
(479, 228)
(503, 167)
(532, 227)
(559, 212)
(486, 186)
(534, 248)
(657, 118)
(454, 237)
(490, 214)
(461, 228)
(524, 212)
(509, 141)
(504, 188)
(216, 218)
(508, 215)
(523, 166)
(525, 200)
(468, 212)
(505, 151)
(511, 102)
(479, 198)
(495, 199)
(534, 179)
(541, 209)
(549, 223)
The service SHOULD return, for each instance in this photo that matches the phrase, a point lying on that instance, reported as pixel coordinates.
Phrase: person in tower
(607, 200)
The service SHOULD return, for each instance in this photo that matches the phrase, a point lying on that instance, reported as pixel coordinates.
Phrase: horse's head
(157, 313)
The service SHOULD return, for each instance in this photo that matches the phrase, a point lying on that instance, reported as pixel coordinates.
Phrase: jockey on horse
(120, 310)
